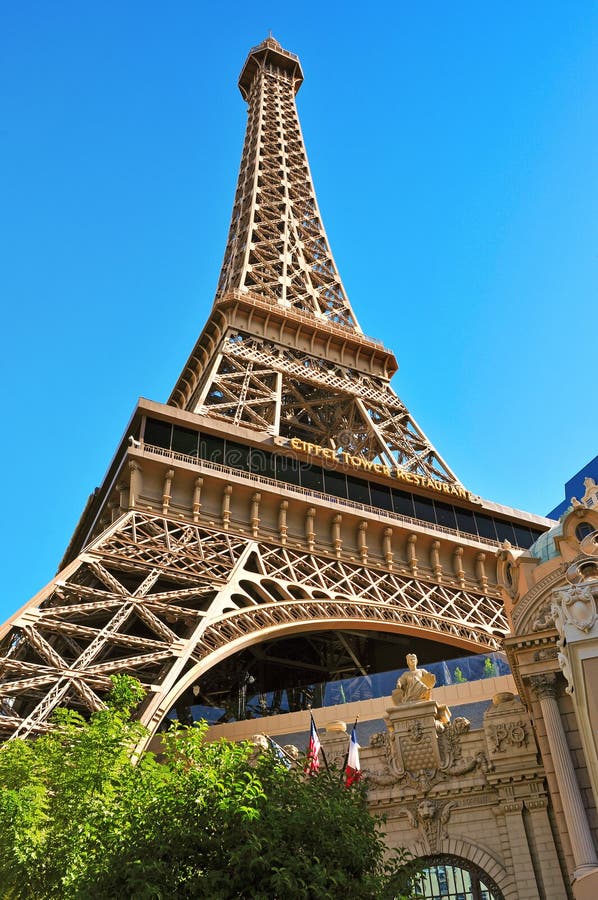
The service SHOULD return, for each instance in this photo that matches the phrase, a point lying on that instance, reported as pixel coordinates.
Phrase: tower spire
(282, 351)
(277, 247)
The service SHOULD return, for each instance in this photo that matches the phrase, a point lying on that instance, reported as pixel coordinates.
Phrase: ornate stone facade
(551, 592)
(479, 795)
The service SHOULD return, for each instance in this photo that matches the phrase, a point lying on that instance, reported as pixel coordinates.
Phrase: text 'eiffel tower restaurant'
(280, 534)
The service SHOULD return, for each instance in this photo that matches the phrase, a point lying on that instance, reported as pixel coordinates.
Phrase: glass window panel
(157, 433)
(424, 509)
(359, 490)
(402, 502)
(504, 530)
(381, 496)
(287, 469)
(446, 881)
(262, 463)
(523, 536)
(485, 526)
(211, 448)
(335, 483)
(465, 521)
(185, 440)
(236, 456)
(312, 477)
(445, 514)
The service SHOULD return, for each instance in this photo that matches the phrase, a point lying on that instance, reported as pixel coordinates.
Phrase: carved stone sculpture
(415, 684)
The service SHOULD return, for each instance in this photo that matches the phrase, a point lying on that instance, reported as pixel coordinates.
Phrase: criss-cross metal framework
(289, 393)
(165, 600)
(277, 247)
(166, 595)
(278, 259)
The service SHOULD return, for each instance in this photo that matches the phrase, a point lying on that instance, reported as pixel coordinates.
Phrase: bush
(80, 819)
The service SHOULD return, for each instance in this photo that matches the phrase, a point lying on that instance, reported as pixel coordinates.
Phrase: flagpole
(347, 753)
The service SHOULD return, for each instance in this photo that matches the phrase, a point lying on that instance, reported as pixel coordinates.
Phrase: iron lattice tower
(283, 489)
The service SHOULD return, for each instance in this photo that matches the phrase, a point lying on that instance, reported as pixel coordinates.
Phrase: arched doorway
(447, 877)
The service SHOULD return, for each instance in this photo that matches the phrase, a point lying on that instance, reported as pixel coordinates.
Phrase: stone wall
(480, 795)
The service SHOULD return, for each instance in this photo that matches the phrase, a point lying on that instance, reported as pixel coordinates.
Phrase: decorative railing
(332, 500)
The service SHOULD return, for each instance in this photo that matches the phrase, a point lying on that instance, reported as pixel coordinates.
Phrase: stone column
(166, 491)
(520, 851)
(226, 494)
(458, 566)
(435, 560)
(310, 528)
(552, 877)
(254, 516)
(337, 540)
(282, 521)
(197, 486)
(387, 547)
(362, 541)
(412, 553)
(582, 845)
(135, 483)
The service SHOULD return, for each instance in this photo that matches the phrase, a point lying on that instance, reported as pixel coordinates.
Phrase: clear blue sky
(453, 150)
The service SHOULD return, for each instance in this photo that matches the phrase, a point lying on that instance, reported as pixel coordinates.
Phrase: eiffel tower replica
(282, 517)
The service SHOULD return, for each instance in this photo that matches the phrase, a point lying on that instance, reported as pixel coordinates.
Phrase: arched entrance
(447, 877)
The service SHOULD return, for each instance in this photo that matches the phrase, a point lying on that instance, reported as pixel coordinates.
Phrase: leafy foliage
(490, 668)
(79, 818)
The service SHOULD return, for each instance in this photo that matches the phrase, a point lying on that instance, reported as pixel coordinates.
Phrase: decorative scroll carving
(544, 618)
(505, 734)
(430, 818)
(545, 654)
(574, 605)
(543, 685)
(419, 777)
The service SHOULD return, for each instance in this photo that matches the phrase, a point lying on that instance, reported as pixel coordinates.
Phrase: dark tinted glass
(184, 440)
(504, 531)
(445, 514)
(523, 536)
(402, 503)
(236, 456)
(211, 448)
(287, 469)
(485, 526)
(312, 477)
(335, 483)
(359, 490)
(583, 530)
(262, 463)
(157, 433)
(465, 520)
(381, 496)
(424, 509)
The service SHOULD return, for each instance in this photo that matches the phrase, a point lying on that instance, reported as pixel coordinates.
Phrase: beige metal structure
(283, 490)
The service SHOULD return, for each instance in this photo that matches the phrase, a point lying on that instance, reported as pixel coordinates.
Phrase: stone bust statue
(414, 684)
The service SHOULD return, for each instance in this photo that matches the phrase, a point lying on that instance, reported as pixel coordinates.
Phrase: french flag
(312, 763)
(353, 767)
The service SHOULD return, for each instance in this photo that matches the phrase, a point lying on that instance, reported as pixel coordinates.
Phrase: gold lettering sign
(360, 462)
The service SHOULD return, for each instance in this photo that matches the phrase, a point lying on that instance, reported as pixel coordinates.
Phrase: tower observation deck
(282, 520)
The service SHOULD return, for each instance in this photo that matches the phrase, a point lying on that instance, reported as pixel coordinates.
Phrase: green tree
(490, 668)
(459, 676)
(80, 819)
